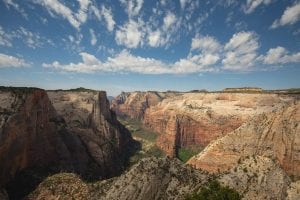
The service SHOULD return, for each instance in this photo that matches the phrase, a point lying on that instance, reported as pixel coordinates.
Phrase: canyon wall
(183, 119)
(134, 104)
(69, 131)
(274, 135)
(199, 118)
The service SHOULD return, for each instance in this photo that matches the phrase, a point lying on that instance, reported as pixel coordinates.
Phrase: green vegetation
(185, 153)
(137, 130)
(214, 191)
(18, 91)
(80, 89)
(146, 139)
(285, 91)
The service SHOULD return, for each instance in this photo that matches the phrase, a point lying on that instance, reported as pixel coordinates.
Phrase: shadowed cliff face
(35, 137)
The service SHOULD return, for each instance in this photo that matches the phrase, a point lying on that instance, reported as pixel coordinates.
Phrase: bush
(214, 191)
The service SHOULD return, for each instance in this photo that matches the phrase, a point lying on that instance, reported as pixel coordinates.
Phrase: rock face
(167, 178)
(87, 114)
(82, 135)
(199, 118)
(274, 135)
(294, 191)
(257, 177)
(134, 104)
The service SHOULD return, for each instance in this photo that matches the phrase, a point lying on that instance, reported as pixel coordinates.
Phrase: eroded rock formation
(134, 104)
(275, 135)
(167, 178)
(199, 118)
(77, 133)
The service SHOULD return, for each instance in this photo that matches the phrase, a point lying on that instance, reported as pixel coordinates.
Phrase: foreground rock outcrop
(275, 135)
(166, 178)
(199, 118)
(77, 133)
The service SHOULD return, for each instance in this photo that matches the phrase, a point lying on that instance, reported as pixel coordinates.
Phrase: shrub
(214, 191)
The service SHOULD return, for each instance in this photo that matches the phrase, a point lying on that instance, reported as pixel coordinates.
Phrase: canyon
(44, 133)
(72, 144)
(195, 118)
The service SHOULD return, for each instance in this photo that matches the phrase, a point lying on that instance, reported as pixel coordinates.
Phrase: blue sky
(127, 45)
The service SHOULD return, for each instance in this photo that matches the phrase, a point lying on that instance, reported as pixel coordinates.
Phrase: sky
(130, 45)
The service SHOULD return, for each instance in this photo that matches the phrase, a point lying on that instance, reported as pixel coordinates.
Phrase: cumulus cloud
(280, 55)
(206, 55)
(240, 51)
(206, 44)
(251, 5)
(130, 34)
(93, 37)
(126, 62)
(122, 62)
(11, 61)
(290, 16)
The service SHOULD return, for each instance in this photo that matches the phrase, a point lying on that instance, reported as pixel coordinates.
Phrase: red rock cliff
(199, 118)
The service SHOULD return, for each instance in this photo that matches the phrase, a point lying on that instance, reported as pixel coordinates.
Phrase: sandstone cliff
(199, 118)
(33, 135)
(134, 104)
(275, 135)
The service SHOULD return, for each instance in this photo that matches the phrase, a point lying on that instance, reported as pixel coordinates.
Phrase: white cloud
(133, 7)
(130, 34)
(251, 5)
(11, 61)
(31, 39)
(125, 62)
(11, 3)
(154, 38)
(240, 51)
(280, 55)
(122, 62)
(169, 20)
(61, 9)
(238, 54)
(107, 14)
(206, 44)
(73, 42)
(290, 16)
(82, 12)
(183, 3)
(5, 38)
(93, 37)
